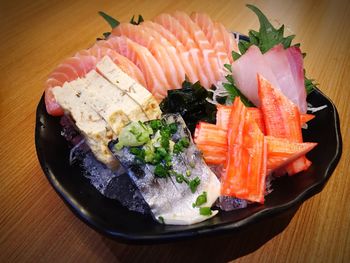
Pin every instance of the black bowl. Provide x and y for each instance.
(110, 218)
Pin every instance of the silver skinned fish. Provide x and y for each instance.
(171, 201)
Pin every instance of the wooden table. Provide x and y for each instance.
(35, 225)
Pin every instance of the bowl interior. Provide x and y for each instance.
(112, 219)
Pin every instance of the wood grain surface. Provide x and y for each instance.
(36, 226)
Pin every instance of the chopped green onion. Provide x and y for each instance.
(205, 211)
(192, 164)
(155, 124)
(177, 148)
(162, 152)
(173, 128)
(184, 142)
(179, 178)
(139, 153)
(160, 171)
(193, 184)
(201, 199)
(188, 173)
(164, 141)
(161, 219)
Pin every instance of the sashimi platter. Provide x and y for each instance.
(178, 126)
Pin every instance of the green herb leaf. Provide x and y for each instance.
(243, 46)
(309, 85)
(235, 55)
(235, 92)
(110, 20)
(268, 36)
(205, 211)
(228, 67)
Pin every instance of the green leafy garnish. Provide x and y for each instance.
(110, 20)
(205, 211)
(139, 21)
(268, 36)
(309, 85)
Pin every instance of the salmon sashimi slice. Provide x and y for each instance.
(174, 26)
(231, 44)
(178, 51)
(211, 61)
(70, 69)
(214, 35)
(282, 119)
(99, 51)
(154, 75)
(171, 64)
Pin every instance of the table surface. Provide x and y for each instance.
(36, 225)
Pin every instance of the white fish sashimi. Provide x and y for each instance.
(295, 59)
(245, 70)
(282, 67)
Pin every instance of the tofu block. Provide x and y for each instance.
(95, 129)
(115, 107)
(129, 87)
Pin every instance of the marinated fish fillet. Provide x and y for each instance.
(169, 200)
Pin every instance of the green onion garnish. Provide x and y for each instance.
(193, 184)
(201, 199)
(205, 211)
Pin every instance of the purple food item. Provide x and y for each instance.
(228, 203)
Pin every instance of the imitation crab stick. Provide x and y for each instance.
(245, 171)
(223, 115)
(282, 119)
(210, 134)
(281, 152)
